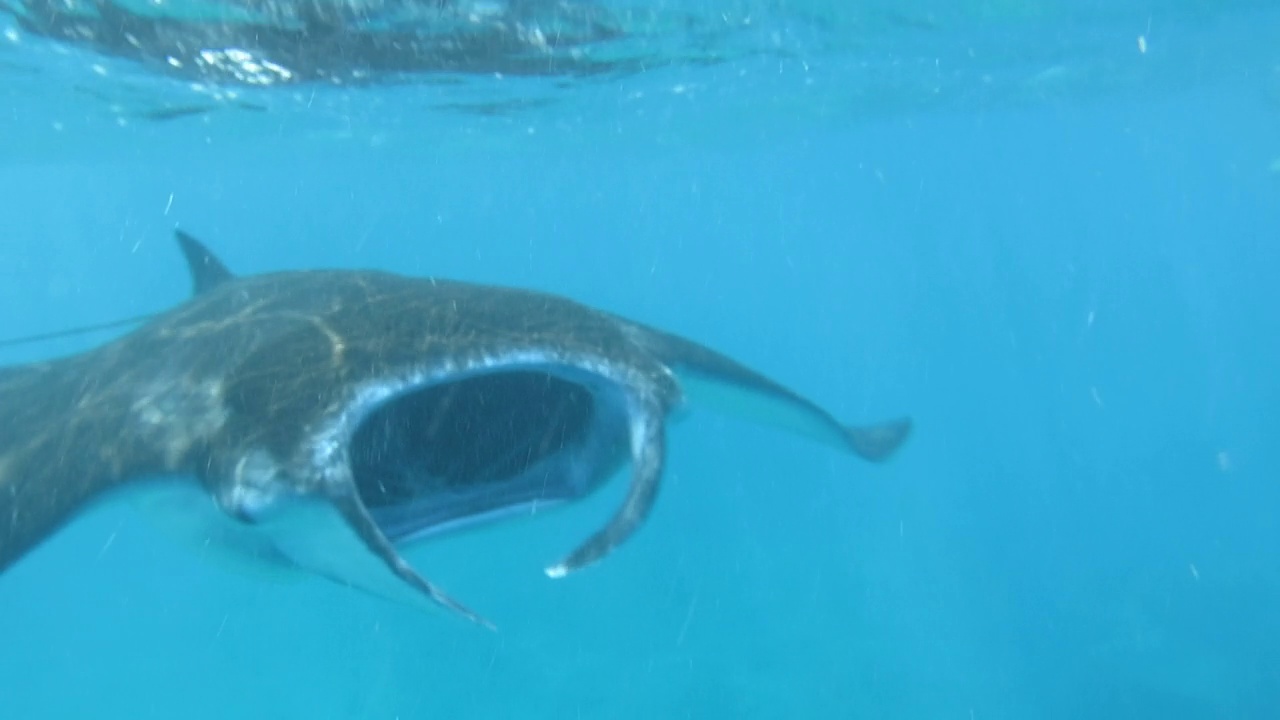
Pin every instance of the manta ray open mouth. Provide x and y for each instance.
(476, 448)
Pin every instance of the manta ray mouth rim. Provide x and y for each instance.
(330, 457)
(607, 387)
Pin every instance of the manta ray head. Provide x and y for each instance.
(409, 457)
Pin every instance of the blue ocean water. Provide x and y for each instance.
(1060, 261)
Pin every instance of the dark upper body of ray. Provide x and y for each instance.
(258, 363)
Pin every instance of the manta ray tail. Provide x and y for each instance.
(647, 456)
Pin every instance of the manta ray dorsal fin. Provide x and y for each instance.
(207, 271)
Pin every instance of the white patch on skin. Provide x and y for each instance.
(176, 414)
(255, 485)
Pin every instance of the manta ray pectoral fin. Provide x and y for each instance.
(726, 385)
(786, 411)
(182, 510)
(647, 456)
(336, 537)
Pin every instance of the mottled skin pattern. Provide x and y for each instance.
(238, 385)
(259, 359)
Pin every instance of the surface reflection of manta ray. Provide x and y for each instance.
(332, 414)
(265, 42)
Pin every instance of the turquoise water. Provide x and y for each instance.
(1051, 244)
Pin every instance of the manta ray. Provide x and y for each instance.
(333, 416)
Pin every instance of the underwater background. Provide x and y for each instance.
(1048, 231)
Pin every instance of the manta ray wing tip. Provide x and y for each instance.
(878, 443)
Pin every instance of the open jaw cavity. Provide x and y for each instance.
(504, 441)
